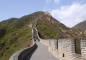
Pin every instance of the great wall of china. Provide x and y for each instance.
(64, 49)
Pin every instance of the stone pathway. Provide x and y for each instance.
(42, 53)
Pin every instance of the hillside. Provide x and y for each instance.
(49, 27)
(16, 33)
(80, 26)
(13, 38)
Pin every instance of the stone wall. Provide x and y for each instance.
(64, 49)
(21, 54)
(26, 52)
(44, 41)
(83, 48)
(52, 45)
(61, 48)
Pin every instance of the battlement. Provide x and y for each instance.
(64, 49)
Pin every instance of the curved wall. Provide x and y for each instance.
(22, 54)
(62, 47)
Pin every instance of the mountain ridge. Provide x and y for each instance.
(80, 26)
(16, 33)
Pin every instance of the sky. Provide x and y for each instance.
(68, 12)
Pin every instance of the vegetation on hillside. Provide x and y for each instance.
(16, 34)
(80, 26)
(49, 27)
(14, 41)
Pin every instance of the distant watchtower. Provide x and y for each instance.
(48, 13)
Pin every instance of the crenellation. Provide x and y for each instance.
(64, 49)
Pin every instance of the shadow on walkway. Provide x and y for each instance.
(31, 53)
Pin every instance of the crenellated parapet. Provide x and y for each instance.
(23, 53)
(64, 49)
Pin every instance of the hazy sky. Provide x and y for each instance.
(69, 12)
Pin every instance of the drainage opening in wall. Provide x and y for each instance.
(63, 55)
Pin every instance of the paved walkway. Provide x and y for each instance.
(42, 53)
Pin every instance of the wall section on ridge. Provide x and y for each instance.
(21, 54)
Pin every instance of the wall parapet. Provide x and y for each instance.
(21, 54)
(83, 48)
(64, 49)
